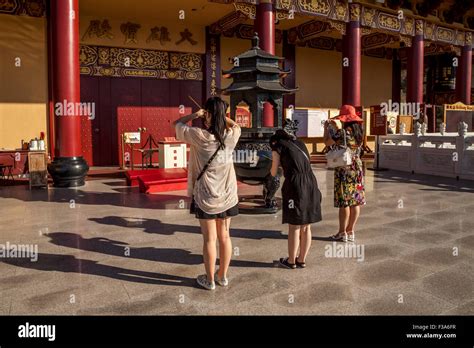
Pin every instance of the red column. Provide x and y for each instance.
(51, 129)
(416, 70)
(351, 59)
(463, 82)
(68, 168)
(289, 52)
(265, 28)
(396, 77)
(409, 74)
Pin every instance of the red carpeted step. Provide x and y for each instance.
(132, 175)
(163, 180)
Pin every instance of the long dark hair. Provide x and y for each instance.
(217, 108)
(356, 129)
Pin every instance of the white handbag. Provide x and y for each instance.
(339, 157)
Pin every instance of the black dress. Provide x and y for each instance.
(301, 198)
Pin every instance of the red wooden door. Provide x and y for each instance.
(89, 94)
(126, 107)
(129, 105)
(193, 89)
(155, 119)
(105, 139)
(161, 106)
(99, 141)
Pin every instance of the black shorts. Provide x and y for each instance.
(234, 211)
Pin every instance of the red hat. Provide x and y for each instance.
(347, 113)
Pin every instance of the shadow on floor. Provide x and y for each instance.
(128, 197)
(70, 264)
(158, 227)
(438, 183)
(324, 239)
(117, 248)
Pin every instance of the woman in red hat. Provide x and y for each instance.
(349, 192)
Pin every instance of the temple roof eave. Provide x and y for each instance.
(261, 69)
(257, 52)
(259, 85)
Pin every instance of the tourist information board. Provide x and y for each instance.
(458, 112)
(310, 121)
(378, 121)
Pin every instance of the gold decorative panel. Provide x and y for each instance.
(445, 35)
(320, 7)
(124, 62)
(389, 22)
(33, 8)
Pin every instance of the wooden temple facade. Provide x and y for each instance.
(138, 62)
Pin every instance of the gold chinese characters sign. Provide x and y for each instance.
(213, 66)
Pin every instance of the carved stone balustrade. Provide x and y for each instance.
(447, 154)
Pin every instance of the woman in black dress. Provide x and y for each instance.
(301, 198)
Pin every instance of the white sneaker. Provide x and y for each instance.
(351, 237)
(205, 283)
(341, 237)
(222, 282)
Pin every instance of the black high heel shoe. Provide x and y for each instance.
(284, 262)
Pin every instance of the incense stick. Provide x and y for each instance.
(195, 102)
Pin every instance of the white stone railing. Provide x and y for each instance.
(446, 154)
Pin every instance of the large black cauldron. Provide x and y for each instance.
(256, 81)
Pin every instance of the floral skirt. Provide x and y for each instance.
(349, 188)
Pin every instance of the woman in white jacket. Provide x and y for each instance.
(212, 183)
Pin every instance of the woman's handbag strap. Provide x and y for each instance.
(209, 162)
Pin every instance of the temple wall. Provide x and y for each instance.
(23, 89)
(319, 77)
(376, 83)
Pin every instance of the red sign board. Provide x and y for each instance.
(243, 117)
(378, 122)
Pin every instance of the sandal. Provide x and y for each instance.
(340, 236)
(284, 262)
(300, 264)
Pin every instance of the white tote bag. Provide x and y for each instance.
(339, 157)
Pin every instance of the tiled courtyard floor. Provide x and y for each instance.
(107, 249)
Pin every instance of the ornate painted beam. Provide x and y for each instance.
(228, 22)
(308, 30)
(247, 31)
(32, 8)
(376, 40)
